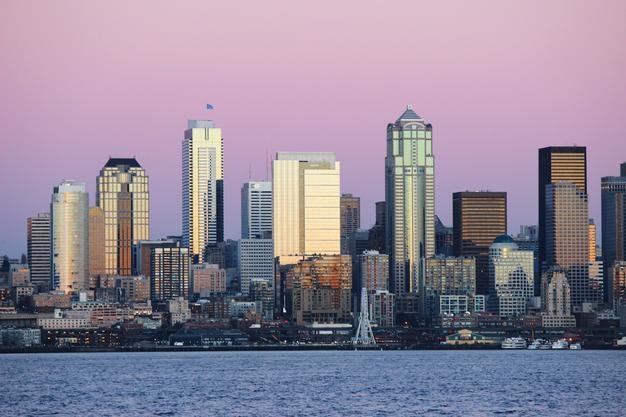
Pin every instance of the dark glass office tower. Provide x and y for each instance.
(478, 218)
(613, 224)
(558, 163)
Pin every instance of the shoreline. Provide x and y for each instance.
(270, 348)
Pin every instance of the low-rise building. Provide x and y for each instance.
(468, 337)
(65, 319)
(12, 337)
(178, 309)
(133, 288)
(242, 308)
(49, 301)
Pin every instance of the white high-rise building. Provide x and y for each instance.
(557, 300)
(306, 204)
(256, 210)
(203, 187)
(70, 237)
(410, 197)
(511, 277)
(256, 262)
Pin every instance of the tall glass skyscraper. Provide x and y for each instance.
(613, 224)
(567, 233)
(70, 237)
(410, 197)
(558, 163)
(478, 218)
(203, 187)
(122, 194)
(306, 195)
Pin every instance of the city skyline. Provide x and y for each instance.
(531, 80)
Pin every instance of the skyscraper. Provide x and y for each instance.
(613, 223)
(203, 187)
(122, 194)
(410, 198)
(566, 238)
(39, 251)
(478, 218)
(70, 237)
(256, 210)
(350, 212)
(511, 277)
(96, 242)
(558, 163)
(306, 204)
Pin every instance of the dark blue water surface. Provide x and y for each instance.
(468, 383)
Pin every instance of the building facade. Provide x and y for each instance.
(256, 210)
(169, 272)
(306, 204)
(613, 191)
(320, 290)
(350, 212)
(566, 238)
(96, 242)
(256, 262)
(511, 277)
(122, 194)
(558, 163)
(374, 269)
(382, 308)
(38, 242)
(208, 279)
(70, 237)
(448, 279)
(478, 218)
(557, 301)
(617, 289)
(203, 187)
(410, 197)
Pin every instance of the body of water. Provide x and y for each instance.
(454, 383)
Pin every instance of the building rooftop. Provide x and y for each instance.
(113, 162)
(504, 239)
(409, 114)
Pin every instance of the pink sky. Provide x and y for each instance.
(80, 81)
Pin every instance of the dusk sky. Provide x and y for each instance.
(82, 81)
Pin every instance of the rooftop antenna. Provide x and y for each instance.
(267, 165)
(250, 172)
